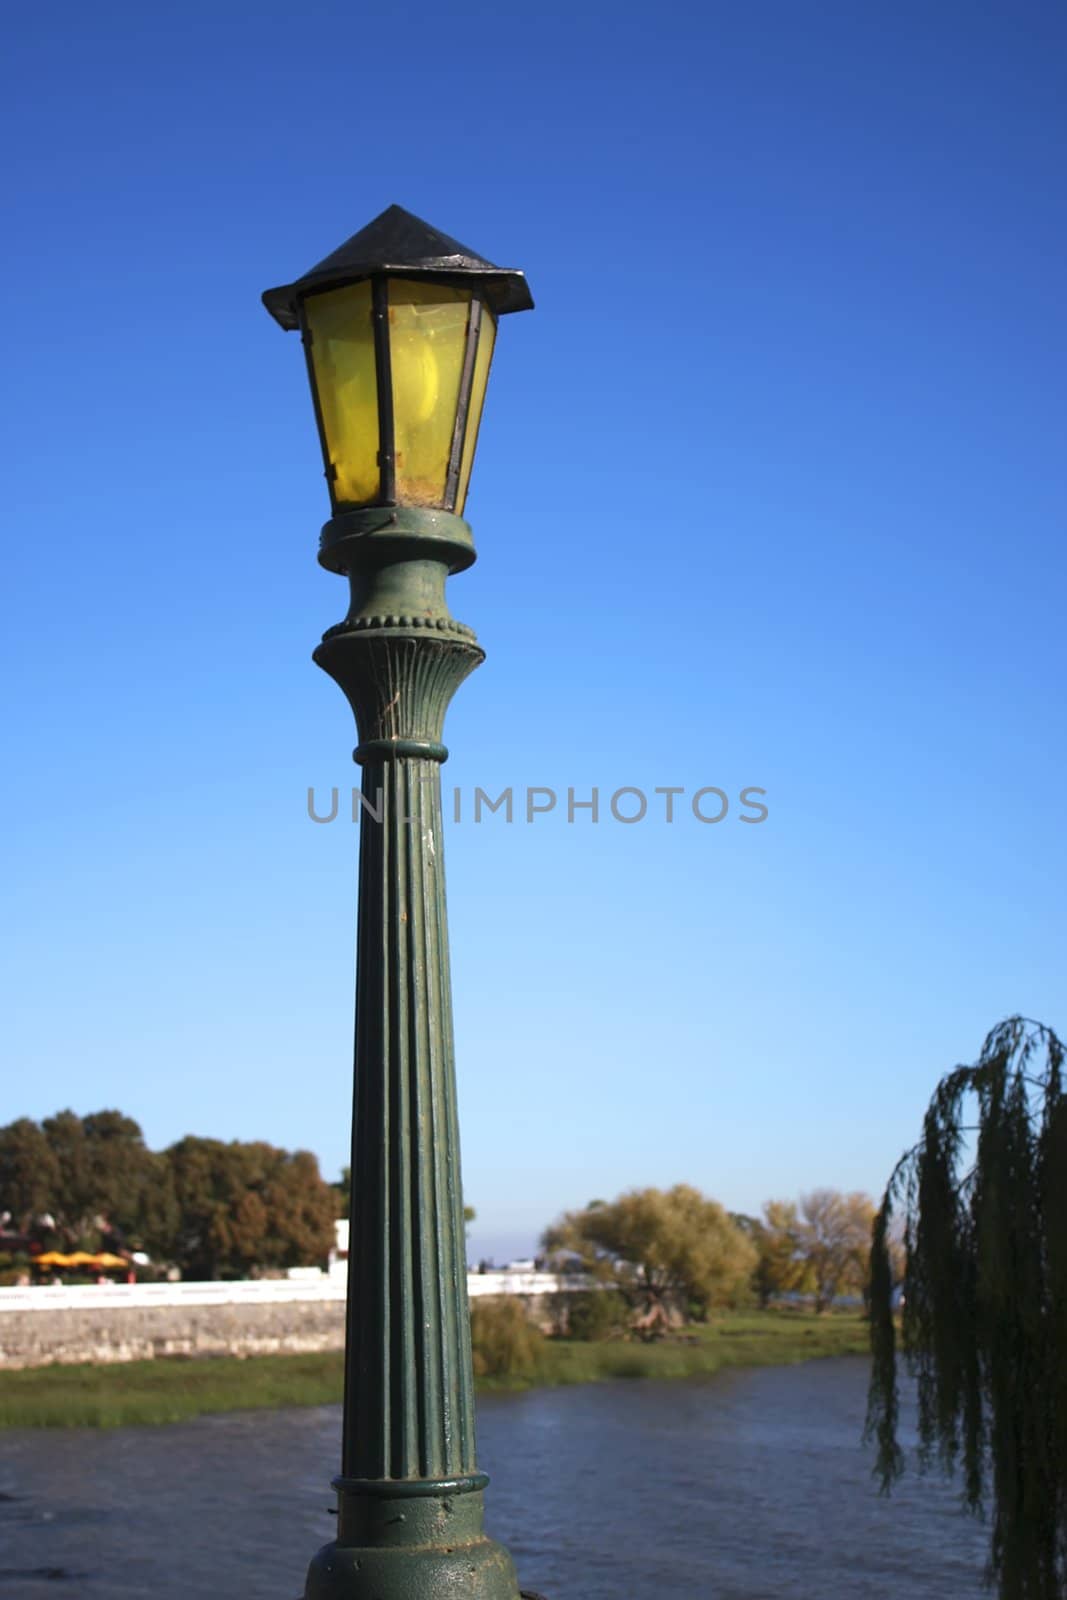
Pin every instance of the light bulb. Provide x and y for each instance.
(416, 377)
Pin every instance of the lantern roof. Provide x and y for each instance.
(401, 243)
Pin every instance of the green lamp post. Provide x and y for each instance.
(398, 327)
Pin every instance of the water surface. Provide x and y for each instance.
(742, 1486)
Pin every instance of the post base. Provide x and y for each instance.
(479, 1571)
(411, 1541)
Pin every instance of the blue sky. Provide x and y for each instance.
(770, 492)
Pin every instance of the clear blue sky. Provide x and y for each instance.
(771, 491)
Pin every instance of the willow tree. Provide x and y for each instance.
(983, 1197)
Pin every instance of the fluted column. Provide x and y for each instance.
(410, 1408)
(410, 1494)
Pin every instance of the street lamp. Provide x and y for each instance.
(398, 326)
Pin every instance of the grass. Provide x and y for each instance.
(174, 1389)
(738, 1339)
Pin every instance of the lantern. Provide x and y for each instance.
(398, 326)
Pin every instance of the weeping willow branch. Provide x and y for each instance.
(984, 1324)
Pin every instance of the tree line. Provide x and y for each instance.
(211, 1208)
(218, 1209)
(674, 1254)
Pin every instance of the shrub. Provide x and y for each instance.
(596, 1314)
(506, 1343)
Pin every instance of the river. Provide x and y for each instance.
(749, 1485)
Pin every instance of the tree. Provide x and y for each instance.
(29, 1173)
(246, 1206)
(343, 1190)
(983, 1196)
(834, 1236)
(72, 1202)
(781, 1265)
(104, 1180)
(210, 1206)
(129, 1187)
(662, 1249)
(300, 1209)
(896, 1248)
(206, 1186)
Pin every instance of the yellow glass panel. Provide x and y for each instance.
(486, 340)
(427, 338)
(342, 356)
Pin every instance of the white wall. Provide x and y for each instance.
(263, 1291)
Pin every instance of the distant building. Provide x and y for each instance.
(338, 1261)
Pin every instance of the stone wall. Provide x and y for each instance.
(285, 1319)
(140, 1333)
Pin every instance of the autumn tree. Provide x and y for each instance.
(983, 1197)
(834, 1236)
(661, 1249)
(782, 1266)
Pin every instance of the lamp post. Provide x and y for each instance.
(398, 327)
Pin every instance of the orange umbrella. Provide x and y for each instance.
(52, 1259)
(106, 1259)
(81, 1258)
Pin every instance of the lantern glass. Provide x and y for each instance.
(427, 340)
(345, 382)
(486, 340)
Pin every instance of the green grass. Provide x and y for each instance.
(738, 1339)
(173, 1390)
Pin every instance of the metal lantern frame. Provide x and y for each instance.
(398, 246)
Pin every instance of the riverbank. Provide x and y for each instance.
(173, 1390)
